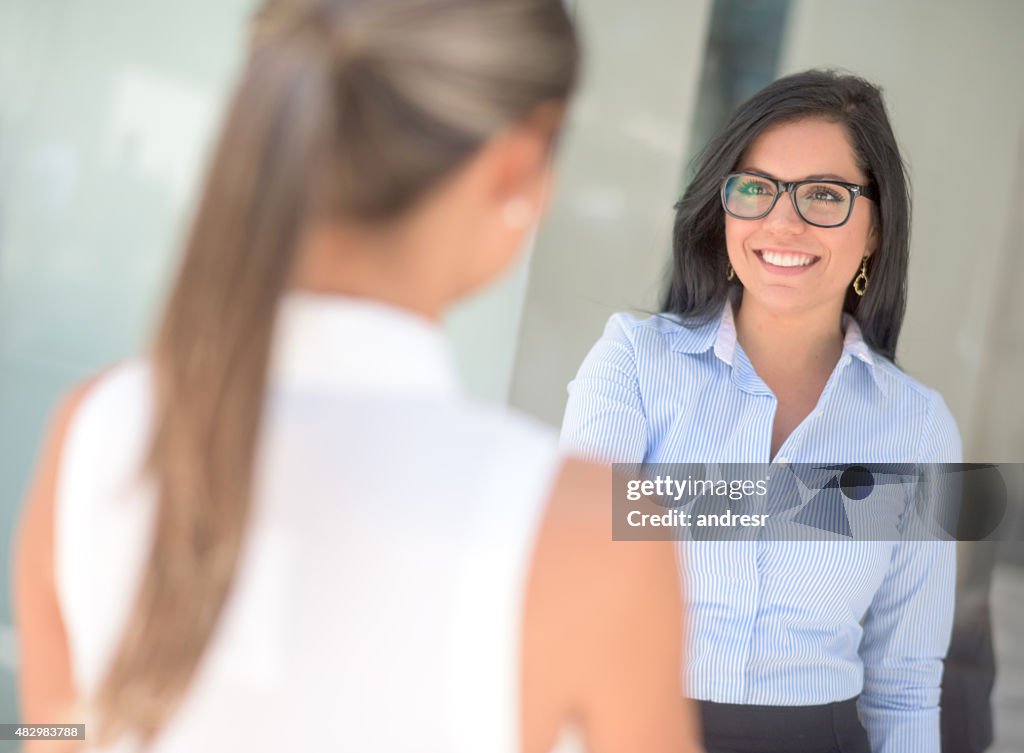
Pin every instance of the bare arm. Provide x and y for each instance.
(46, 690)
(603, 632)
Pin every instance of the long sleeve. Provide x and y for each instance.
(604, 417)
(908, 625)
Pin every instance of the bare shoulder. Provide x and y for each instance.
(579, 521)
(37, 511)
(604, 627)
(45, 685)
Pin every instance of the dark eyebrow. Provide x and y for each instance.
(820, 176)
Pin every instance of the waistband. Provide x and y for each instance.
(782, 729)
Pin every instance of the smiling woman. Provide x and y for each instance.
(776, 343)
(799, 255)
(809, 126)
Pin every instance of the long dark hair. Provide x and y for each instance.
(345, 108)
(698, 287)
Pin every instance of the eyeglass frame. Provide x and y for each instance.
(789, 187)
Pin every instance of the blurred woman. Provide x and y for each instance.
(780, 326)
(287, 529)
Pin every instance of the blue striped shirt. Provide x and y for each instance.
(786, 622)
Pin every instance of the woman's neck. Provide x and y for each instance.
(795, 344)
(389, 267)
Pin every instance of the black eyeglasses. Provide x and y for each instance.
(822, 203)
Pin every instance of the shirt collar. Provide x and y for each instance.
(720, 334)
(344, 344)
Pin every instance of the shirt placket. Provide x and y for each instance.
(750, 595)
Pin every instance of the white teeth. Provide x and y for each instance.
(786, 260)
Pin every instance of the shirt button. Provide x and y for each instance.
(781, 460)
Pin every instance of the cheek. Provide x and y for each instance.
(851, 246)
(858, 232)
(736, 233)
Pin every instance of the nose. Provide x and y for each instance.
(784, 216)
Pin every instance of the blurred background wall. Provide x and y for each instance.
(107, 109)
(604, 245)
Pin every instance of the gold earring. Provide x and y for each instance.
(730, 275)
(860, 282)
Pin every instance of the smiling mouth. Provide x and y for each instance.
(786, 259)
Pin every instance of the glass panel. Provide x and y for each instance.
(742, 55)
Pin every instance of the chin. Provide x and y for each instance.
(785, 300)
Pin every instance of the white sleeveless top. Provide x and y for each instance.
(378, 601)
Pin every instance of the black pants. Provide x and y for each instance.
(736, 728)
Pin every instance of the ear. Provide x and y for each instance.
(522, 157)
